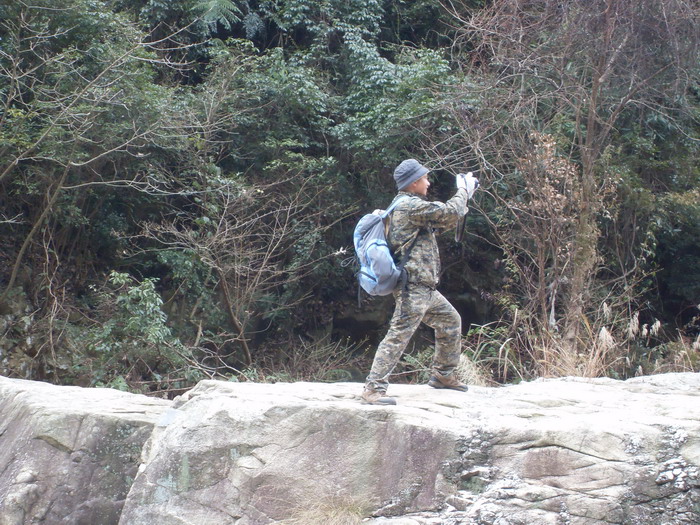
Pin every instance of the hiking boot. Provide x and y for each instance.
(440, 381)
(374, 397)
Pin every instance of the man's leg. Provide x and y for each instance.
(411, 305)
(447, 323)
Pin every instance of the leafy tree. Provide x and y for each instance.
(81, 116)
(578, 72)
(211, 156)
(79, 92)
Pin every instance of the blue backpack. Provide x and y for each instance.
(379, 274)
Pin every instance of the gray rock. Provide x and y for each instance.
(566, 451)
(260, 453)
(572, 451)
(68, 455)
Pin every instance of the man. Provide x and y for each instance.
(417, 218)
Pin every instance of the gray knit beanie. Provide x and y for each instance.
(410, 170)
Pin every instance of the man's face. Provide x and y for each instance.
(420, 186)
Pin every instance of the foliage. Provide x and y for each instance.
(679, 249)
(131, 341)
(388, 99)
(213, 12)
(179, 181)
(582, 75)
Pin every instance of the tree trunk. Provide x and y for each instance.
(234, 318)
(39, 222)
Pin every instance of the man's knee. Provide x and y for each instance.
(449, 322)
(448, 330)
(456, 319)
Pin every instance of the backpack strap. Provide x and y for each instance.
(404, 259)
(385, 214)
(393, 205)
(405, 252)
(460, 229)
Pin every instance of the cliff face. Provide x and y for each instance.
(548, 452)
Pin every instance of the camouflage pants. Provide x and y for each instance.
(415, 305)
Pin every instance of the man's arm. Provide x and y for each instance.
(442, 215)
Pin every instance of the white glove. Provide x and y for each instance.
(461, 182)
(468, 182)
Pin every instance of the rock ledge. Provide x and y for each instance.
(565, 451)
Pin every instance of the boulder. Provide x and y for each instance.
(68, 455)
(575, 451)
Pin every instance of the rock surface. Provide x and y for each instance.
(68, 455)
(565, 451)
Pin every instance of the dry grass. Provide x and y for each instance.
(336, 511)
(472, 373)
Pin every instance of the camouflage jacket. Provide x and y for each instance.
(417, 216)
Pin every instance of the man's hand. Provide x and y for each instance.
(467, 181)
